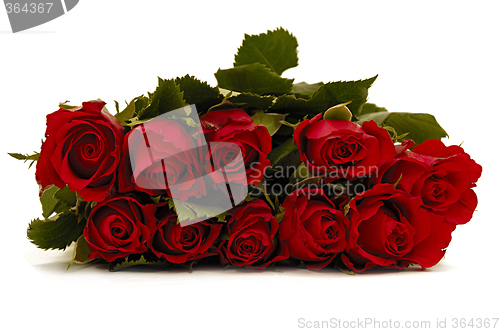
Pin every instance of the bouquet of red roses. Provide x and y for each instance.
(257, 171)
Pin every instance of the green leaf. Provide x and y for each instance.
(342, 92)
(55, 234)
(33, 157)
(305, 90)
(421, 126)
(129, 111)
(187, 211)
(56, 200)
(371, 108)
(222, 217)
(135, 121)
(281, 214)
(167, 97)
(326, 96)
(255, 78)
(285, 154)
(140, 103)
(20, 156)
(66, 106)
(223, 106)
(270, 120)
(66, 196)
(300, 174)
(49, 202)
(128, 261)
(276, 49)
(345, 270)
(249, 101)
(198, 93)
(297, 105)
(81, 252)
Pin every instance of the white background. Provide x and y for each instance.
(441, 58)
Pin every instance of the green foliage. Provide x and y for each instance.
(326, 96)
(55, 234)
(198, 93)
(276, 49)
(255, 78)
(280, 214)
(285, 154)
(297, 105)
(250, 101)
(66, 106)
(132, 108)
(48, 201)
(300, 174)
(305, 90)
(420, 126)
(66, 196)
(342, 92)
(19, 156)
(54, 199)
(187, 211)
(81, 252)
(167, 97)
(272, 121)
(134, 260)
(368, 108)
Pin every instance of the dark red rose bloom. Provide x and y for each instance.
(442, 176)
(313, 228)
(343, 147)
(179, 244)
(160, 157)
(253, 240)
(119, 226)
(82, 149)
(389, 228)
(234, 126)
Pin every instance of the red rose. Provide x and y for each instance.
(119, 226)
(222, 128)
(160, 157)
(342, 147)
(252, 238)
(179, 244)
(442, 176)
(389, 228)
(313, 228)
(82, 149)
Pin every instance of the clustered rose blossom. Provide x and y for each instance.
(85, 148)
(411, 202)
